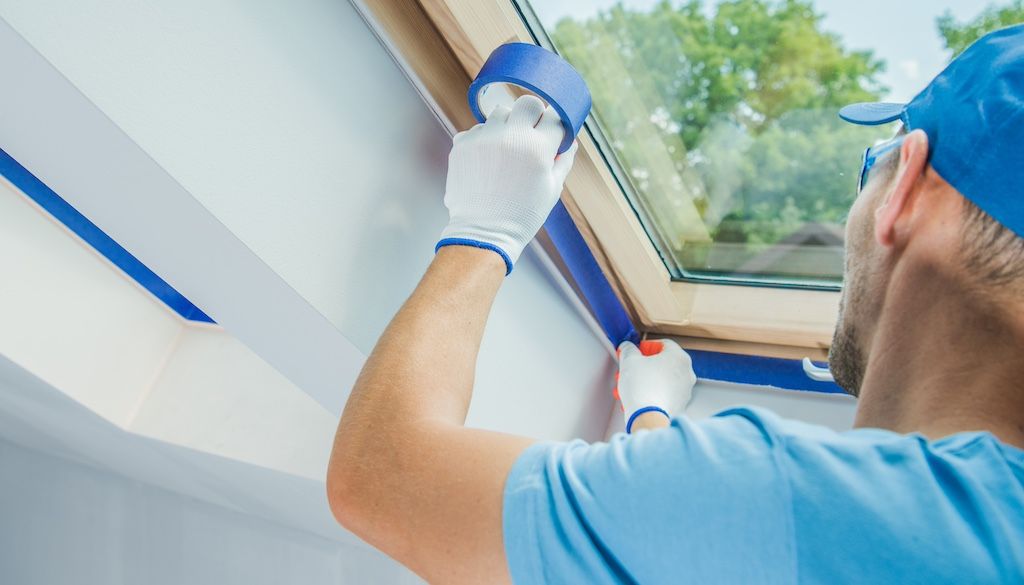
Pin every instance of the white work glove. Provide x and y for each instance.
(662, 382)
(504, 179)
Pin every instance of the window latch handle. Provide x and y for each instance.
(817, 373)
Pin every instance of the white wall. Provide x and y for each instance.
(68, 523)
(216, 396)
(287, 120)
(72, 318)
(294, 129)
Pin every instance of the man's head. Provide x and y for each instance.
(943, 204)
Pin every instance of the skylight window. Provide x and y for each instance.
(719, 120)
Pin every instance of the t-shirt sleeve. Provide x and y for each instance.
(697, 502)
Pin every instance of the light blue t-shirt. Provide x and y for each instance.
(747, 497)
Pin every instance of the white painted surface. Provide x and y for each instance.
(74, 320)
(73, 147)
(302, 140)
(71, 317)
(216, 396)
(287, 120)
(65, 522)
(38, 416)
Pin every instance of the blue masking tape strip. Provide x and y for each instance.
(757, 370)
(63, 212)
(545, 74)
(589, 277)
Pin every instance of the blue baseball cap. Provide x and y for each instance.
(973, 114)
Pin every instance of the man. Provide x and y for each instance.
(928, 489)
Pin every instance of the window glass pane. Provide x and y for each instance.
(720, 117)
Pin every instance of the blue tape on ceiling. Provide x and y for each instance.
(542, 72)
(63, 212)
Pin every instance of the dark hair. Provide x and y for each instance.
(992, 253)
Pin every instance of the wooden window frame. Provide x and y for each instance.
(443, 43)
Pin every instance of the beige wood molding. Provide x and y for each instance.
(445, 42)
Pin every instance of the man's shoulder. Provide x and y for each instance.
(767, 425)
(879, 451)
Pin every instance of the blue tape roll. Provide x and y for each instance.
(545, 74)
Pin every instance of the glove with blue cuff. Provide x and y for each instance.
(504, 179)
(655, 377)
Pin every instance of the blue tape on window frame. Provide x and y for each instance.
(91, 234)
(757, 371)
(555, 80)
(616, 324)
(596, 290)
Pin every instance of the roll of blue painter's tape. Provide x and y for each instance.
(545, 74)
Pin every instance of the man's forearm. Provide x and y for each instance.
(422, 367)
(404, 473)
(419, 377)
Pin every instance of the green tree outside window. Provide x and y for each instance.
(724, 120)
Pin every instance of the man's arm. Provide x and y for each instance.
(405, 475)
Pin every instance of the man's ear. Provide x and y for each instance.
(899, 199)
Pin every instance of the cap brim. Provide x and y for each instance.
(872, 114)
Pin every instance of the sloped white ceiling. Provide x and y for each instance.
(36, 415)
(272, 162)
